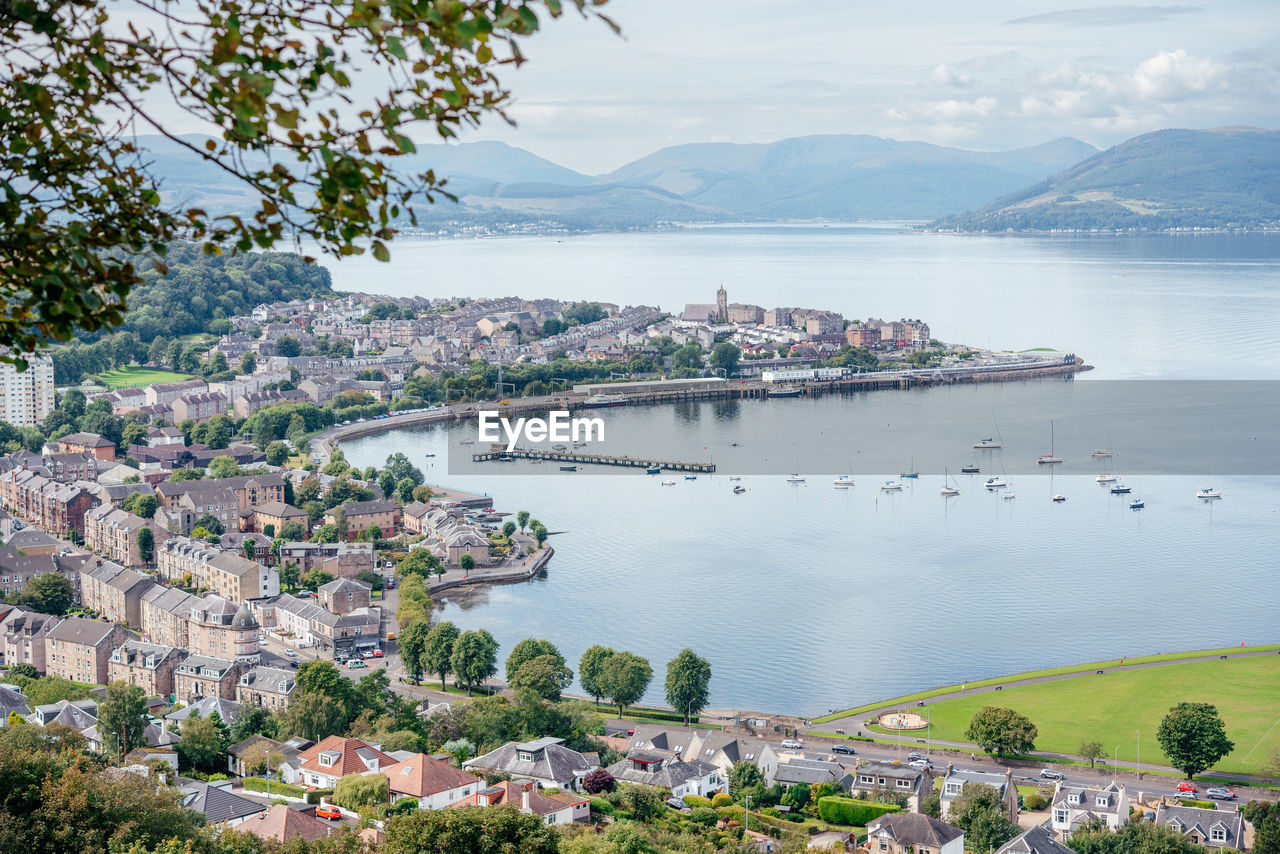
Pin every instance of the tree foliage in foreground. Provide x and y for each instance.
(82, 77)
(1001, 731)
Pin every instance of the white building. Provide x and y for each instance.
(26, 397)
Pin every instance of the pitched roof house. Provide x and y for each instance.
(1035, 840)
(335, 757)
(283, 823)
(1220, 829)
(664, 770)
(558, 808)
(911, 832)
(1075, 806)
(434, 783)
(545, 760)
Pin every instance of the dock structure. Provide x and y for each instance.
(591, 459)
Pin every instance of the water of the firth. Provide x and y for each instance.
(807, 598)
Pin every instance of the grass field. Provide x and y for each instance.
(136, 376)
(1110, 708)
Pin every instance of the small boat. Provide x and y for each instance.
(739, 489)
(653, 470)
(1105, 477)
(908, 474)
(1009, 496)
(793, 391)
(467, 442)
(891, 486)
(972, 468)
(691, 477)
(734, 477)
(568, 468)
(995, 483)
(1049, 458)
(1208, 494)
(430, 456)
(668, 483)
(987, 444)
(1120, 489)
(559, 448)
(1058, 499)
(844, 481)
(733, 444)
(599, 401)
(1099, 452)
(1137, 504)
(795, 478)
(579, 444)
(947, 489)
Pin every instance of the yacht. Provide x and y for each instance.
(995, 483)
(1105, 478)
(1120, 489)
(972, 468)
(1009, 496)
(891, 486)
(668, 483)
(1100, 452)
(947, 489)
(598, 401)
(844, 481)
(1208, 493)
(568, 468)
(987, 444)
(1049, 458)
(1058, 499)
(795, 478)
(735, 477)
(739, 489)
(653, 470)
(559, 448)
(691, 477)
(785, 391)
(1137, 504)
(429, 456)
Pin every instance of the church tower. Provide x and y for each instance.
(722, 305)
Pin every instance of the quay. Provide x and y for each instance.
(591, 459)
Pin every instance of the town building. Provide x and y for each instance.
(341, 560)
(862, 335)
(57, 508)
(22, 635)
(544, 760)
(1209, 828)
(1073, 807)
(200, 676)
(358, 516)
(113, 533)
(164, 394)
(79, 649)
(113, 592)
(273, 516)
(433, 783)
(87, 443)
(147, 665)
(266, 687)
(220, 628)
(343, 595)
(165, 613)
(227, 574)
(913, 833)
(198, 407)
(26, 397)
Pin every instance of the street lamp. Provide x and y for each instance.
(1139, 734)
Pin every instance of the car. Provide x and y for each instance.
(842, 748)
(1187, 786)
(1220, 793)
(331, 813)
(915, 756)
(1050, 774)
(920, 764)
(792, 744)
(356, 663)
(290, 653)
(678, 804)
(293, 664)
(377, 653)
(366, 655)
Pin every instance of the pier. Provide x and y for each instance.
(591, 459)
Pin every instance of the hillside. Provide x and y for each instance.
(1221, 178)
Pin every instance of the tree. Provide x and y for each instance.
(362, 790)
(508, 528)
(202, 745)
(978, 810)
(1001, 731)
(743, 775)
(527, 650)
(252, 721)
(145, 506)
(687, 679)
(48, 593)
(725, 356)
(146, 545)
(1193, 737)
(315, 579)
(523, 518)
(413, 643)
(1133, 838)
(688, 356)
(221, 467)
(248, 363)
(796, 796)
(210, 523)
(122, 718)
(599, 781)
(288, 346)
(437, 653)
(546, 676)
(470, 830)
(625, 678)
(24, 669)
(1092, 751)
(467, 562)
(327, 534)
(313, 716)
(292, 532)
(249, 547)
(591, 670)
(277, 452)
(1265, 818)
(289, 576)
(475, 658)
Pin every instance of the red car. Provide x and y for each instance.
(332, 813)
(1184, 786)
(377, 653)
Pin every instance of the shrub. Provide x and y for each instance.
(314, 796)
(720, 800)
(1204, 805)
(1035, 801)
(695, 801)
(849, 811)
(703, 815)
(600, 805)
(254, 784)
(772, 812)
(795, 817)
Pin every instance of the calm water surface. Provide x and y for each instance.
(807, 598)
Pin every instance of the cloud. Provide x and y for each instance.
(1107, 16)
(944, 76)
(1177, 76)
(953, 110)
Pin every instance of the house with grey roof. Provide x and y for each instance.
(791, 769)
(77, 714)
(1072, 807)
(912, 832)
(12, 701)
(228, 710)
(723, 750)
(545, 760)
(216, 802)
(22, 634)
(149, 666)
(874, 777)
(651, 737)
(1218, 829)
(666, 771)
(1035, 840)
(200, 676)
(114, 592)
(266, 687)
(956, 779)
(79, 649)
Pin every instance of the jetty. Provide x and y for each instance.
(573, 457)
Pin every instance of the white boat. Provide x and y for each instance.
(1009, 496)
(1058, 499)
(785, 391)
(668, 483)
(735, 477)
(987, 444)
(1105, 478)
(947, 489)
(739, 489)
(844, 481)
(995, 483)
(1209, 493)
(1121, 489)
(1137, 504)
(795, 478)
(559, 448)
(1049, 458)
(598, 401)
(891, 486)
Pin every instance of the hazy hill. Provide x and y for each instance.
(1220, 178)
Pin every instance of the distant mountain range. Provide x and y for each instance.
(1221, 178)
(1158, 180)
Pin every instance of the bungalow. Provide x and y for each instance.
(559, 808)
(913, 833)
(12, 701)
(216, 802)
(433, 783)
(545, 760)
(1035, 840)
(1220, 829)
(665, 770)
(792, 769)
(955, 780)
(253, 755)
(284, 823)
(227, 710)
(329, 761)
(1075, 806)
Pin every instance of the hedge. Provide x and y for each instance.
(737, 813)
(720, 800)
(254, 784)
(314, 796)
(1204, 805)
(600, 805)
(837, 810)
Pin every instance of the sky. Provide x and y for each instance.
(983, 75)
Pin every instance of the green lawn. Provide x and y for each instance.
(137, 376)
(1033, 674)
(1111, 707)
